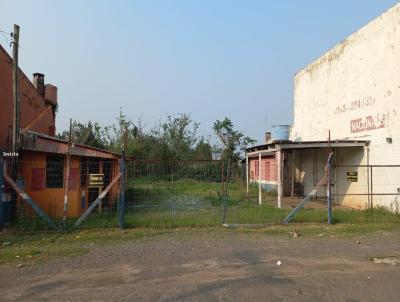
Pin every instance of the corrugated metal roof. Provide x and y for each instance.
(308, 144)
(40, 142)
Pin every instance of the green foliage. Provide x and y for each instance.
(203, 150)
(91, 134)
(176, 138)
(180, 134)
(232, 142)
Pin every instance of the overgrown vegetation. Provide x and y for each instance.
(175, 194)
(175, 138)
(166, 204)
(192, 203)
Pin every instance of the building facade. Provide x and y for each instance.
(42, 170)
(353, 91)
(352, 95)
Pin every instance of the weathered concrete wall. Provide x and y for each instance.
(357, 79)
(351, 156)
(353, 90)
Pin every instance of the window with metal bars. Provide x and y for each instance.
(54, 171)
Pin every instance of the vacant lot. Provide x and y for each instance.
(183, 203)
(323, 264)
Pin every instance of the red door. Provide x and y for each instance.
(267, 170)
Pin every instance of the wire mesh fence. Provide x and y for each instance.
(51, 194)
(358, 193)
(169, 194)
(47, 195)
(373, 187)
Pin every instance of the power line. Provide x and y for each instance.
(6, 39)
(7, 36)
(5, 32)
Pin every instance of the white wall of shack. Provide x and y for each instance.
(353, 90)
(310, 170)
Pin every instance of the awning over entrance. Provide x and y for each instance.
(271, 148)
(303, 169)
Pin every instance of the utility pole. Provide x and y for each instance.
(67, 173)
(15, 134)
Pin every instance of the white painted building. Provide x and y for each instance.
(353, 91)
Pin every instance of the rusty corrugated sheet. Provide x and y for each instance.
(41, 143)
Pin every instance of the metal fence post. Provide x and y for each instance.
(372, 196)
(1, 193)
(172, 200)
(259, 180)
(329, 187)
(121, 218)
(247, 174)
(329, 194)
(223, 191)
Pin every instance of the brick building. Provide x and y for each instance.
(42, 165)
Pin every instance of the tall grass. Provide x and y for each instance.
(190, 203)
(193, 203)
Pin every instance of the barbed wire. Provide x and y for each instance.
(6, 36)
(5, 32)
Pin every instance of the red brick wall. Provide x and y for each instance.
(268, 169)
(32, 104)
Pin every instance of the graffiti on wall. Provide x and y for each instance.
(368, 123)
(355, 105)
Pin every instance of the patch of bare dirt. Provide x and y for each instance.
(215, 267)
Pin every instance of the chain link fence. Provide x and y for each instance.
(47, 195)
(171, 194)
(376, 188)
(53, 195)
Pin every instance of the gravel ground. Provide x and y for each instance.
(216, 266)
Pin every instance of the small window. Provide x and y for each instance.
(55, 171)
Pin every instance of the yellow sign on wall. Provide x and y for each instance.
(96, 180)
(352, 176)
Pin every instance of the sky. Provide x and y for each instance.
(152, 58)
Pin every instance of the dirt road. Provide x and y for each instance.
(216, 266)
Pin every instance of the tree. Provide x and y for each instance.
(175, 138)
(203, 150)
(119, 132)
(180, 133)
(91, 134)
(232, 142)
